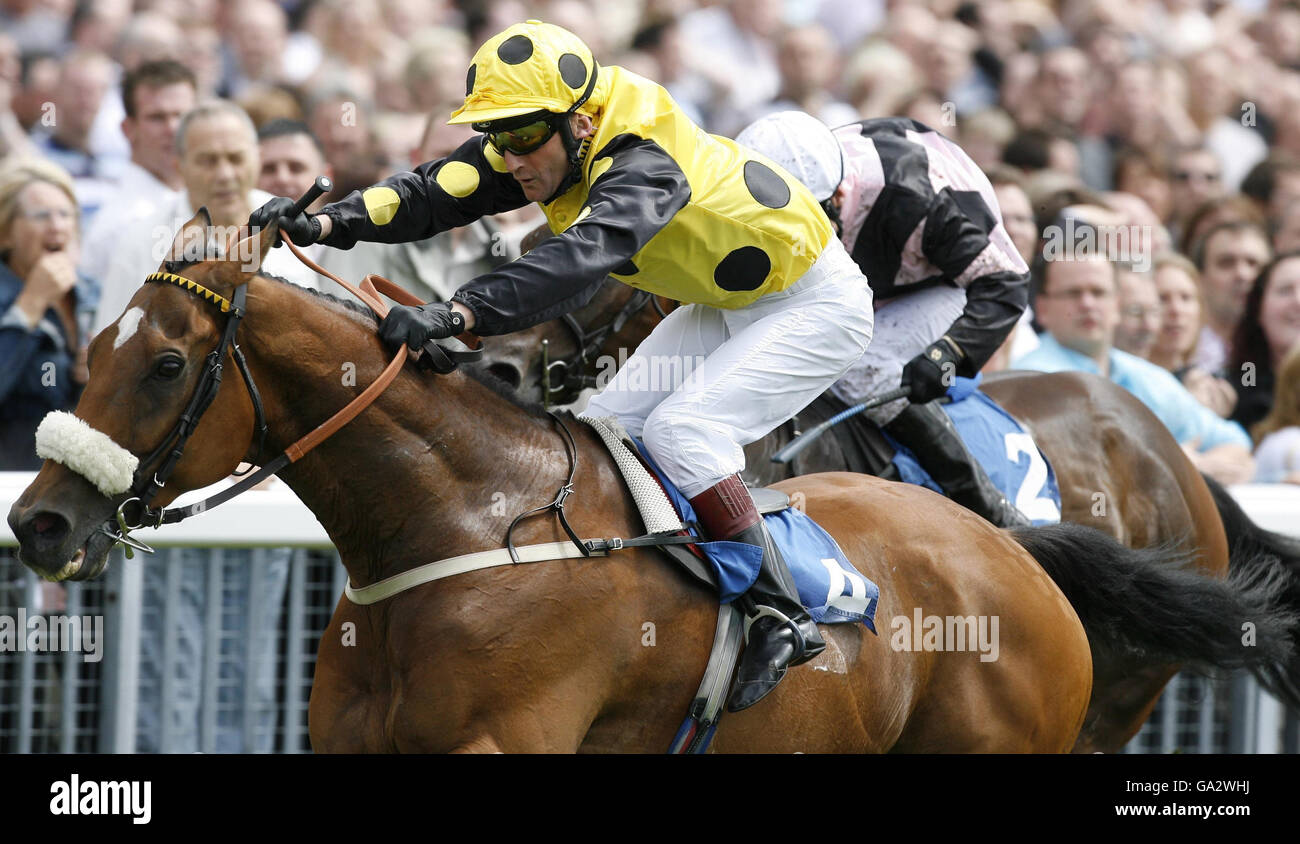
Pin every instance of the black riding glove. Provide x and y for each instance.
(302, 229)
(931, 373)
(416, 326)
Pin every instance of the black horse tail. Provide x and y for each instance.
(1151, 605)
(1252, 548)
(1248, 540)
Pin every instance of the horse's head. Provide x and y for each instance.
(563, 355)
(144, 372)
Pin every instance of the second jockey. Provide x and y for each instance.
(921, 220)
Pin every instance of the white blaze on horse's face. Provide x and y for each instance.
(127, 326)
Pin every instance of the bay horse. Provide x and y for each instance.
(1118, 469)
(588, 654)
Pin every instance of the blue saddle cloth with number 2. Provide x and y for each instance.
(830, 587)
(1004, 448)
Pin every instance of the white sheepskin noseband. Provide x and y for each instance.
(92, 454)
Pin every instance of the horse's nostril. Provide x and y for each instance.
(507, 373)
(49, 526)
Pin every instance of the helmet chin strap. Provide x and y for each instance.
(576, 151)
(833, 213)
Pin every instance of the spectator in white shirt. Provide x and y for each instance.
(63, 134)
(156, 96)
(1216, 109)
(217, 147)
(731, 45)
(808, 61)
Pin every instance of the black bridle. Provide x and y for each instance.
(168, 453)
(564, 379)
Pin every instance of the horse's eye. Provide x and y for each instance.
(169, 367)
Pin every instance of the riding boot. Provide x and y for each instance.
(779, 631)
(930, 435)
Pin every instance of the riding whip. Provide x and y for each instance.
(799, 443)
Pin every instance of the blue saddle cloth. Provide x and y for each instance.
(1004, 448)
(831, 589)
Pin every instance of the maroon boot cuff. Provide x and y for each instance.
(726, 508)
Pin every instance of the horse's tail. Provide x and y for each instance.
(1151, 603)
(1254, 549)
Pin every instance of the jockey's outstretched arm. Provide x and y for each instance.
(432, 198)
(967, 248)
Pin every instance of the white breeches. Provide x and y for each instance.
(708, 381)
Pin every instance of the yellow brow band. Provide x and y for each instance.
(194, 287)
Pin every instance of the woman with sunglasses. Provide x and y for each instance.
(775, 309)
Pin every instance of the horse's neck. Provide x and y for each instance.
(436, 464)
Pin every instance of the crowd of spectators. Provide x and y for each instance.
(1162, 137)
(1174, 121)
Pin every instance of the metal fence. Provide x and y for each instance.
(1233, 714)
(239, 681)
(63, 703)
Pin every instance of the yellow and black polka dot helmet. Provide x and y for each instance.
(529, 67)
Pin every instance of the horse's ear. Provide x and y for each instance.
(190, 243)
(249, 252)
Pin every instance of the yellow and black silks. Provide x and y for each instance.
(661, 204)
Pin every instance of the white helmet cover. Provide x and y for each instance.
(803, 145)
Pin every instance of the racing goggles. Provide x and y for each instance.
(526, 138)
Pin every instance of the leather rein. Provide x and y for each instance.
(146, 484)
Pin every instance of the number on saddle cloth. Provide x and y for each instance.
(1002, 446)
(830, 588)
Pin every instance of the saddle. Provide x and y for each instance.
(997, 440)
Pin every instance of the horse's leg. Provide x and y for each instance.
(1128, 689)
(1032, 693)
(348, 700)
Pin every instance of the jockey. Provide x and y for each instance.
(776, 310)
(921, 220)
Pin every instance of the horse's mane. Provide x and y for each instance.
(481, 374)
(348, 304)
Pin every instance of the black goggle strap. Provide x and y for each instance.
(572, 146)
(591, 86)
